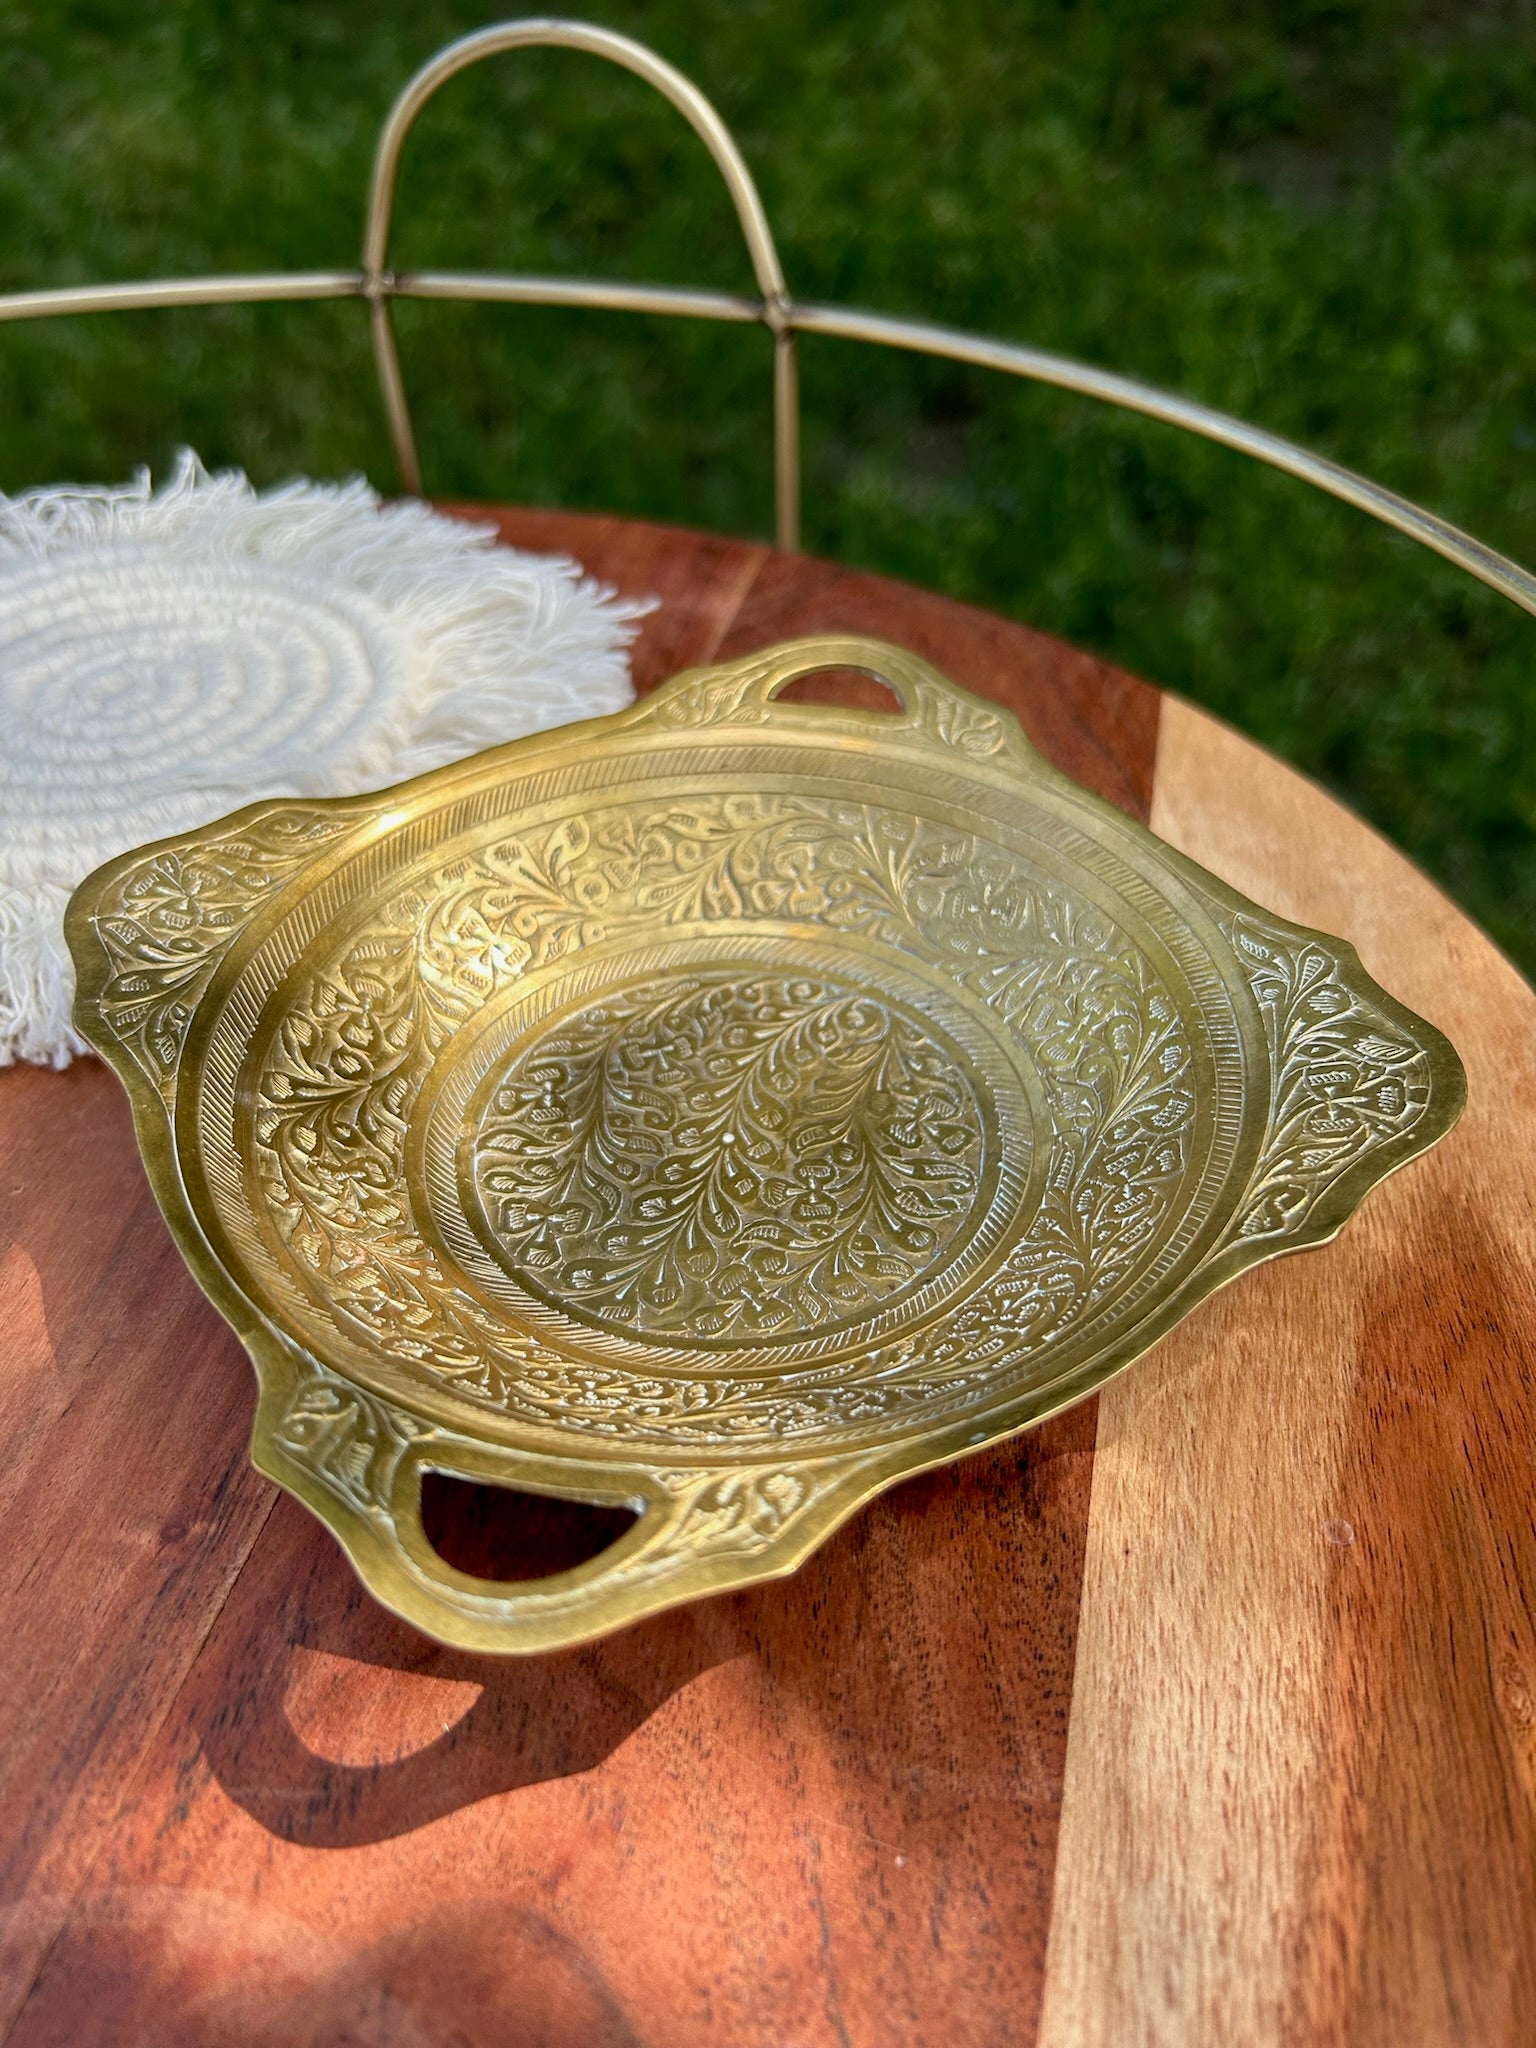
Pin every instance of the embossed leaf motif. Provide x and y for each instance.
(744, 1511)
(331, 1121)
(351, 1442)
(751, 1138)
(729, 1158)
(1343, 1086)
(1103, 1032)
(971, 727)
(174, 916)
(647, 1168)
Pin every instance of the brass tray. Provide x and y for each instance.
(725, 1108)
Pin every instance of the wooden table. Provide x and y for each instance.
(1205, 1714)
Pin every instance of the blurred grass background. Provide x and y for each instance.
(1320, 214)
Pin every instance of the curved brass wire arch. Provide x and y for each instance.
(706, 124)
(783, 316)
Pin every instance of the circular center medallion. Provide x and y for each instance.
(737, 1158)
(732, 1147)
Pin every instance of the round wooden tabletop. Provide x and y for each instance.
(1205, 1713)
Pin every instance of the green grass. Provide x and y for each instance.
(1319, 216)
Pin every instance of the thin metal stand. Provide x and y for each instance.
(773, 308)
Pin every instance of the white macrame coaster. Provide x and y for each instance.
(166, 656)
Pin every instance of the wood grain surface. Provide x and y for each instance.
(1223, 1731)
(1301, 1777)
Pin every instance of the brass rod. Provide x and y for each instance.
(256, 288)
(594, 293)
(1485, 563)
(381, 331)
(296, 285)
(552, 33)
(786, 440)
(786, 319)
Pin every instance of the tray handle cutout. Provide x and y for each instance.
(358, 1461)
(746, 693)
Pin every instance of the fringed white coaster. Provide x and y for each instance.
(169, 655)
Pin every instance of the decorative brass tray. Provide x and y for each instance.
(725, 1108)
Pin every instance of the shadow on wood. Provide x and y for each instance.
(333, 1724)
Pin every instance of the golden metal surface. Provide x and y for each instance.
(724, 1108)
(784, 317)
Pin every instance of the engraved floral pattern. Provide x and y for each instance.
(742, 1512)
(1104, 1034)
(346, 1438)
(732, 697)
(722, 1156)
(176, 915)
(1345, 1083)
(732, 1156)
(352, 1443)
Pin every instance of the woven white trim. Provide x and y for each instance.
(166, 656)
